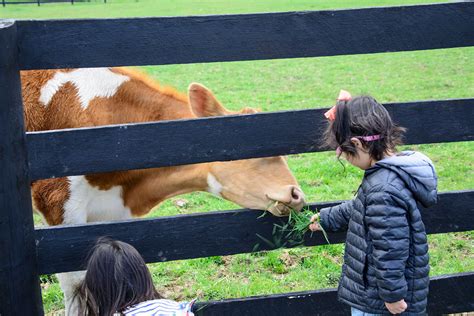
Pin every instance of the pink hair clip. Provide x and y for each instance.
(343, 96)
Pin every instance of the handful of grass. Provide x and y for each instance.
(299, 223)
(291, 233)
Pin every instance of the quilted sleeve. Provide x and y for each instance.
(336, 218)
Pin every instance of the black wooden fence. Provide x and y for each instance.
(26, 252)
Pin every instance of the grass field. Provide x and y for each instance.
(294, 84)
(141, 8)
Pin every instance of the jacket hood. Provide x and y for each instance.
(418, 173)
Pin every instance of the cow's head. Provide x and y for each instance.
(260, 183)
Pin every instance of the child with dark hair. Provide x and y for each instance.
(118, 282)
(386, 265)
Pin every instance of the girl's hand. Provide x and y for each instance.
(397, 307)
(314, 226)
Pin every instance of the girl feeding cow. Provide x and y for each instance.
(386, 255)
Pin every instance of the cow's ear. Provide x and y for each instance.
(204, 103)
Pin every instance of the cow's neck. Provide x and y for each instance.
(143, 189)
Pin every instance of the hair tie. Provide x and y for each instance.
(369, 138)
(343, 96)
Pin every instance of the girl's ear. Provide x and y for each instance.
(357, 143)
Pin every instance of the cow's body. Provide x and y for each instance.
(90, 97)
(58, 99)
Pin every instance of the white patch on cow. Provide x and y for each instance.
(213, 186)
(90, 83)
(89, 204)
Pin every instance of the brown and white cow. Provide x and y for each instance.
(70, 98)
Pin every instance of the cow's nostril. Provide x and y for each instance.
(297, 195)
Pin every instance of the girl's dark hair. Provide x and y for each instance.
(116, 278)
(363, 116)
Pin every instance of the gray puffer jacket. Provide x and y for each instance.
(386, 254)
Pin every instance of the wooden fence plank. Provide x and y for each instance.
(62, 249)
(19, 284)
(162, 144)
(154, 41)
(448, 294)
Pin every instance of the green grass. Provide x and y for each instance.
(294, 84)
(143, 8)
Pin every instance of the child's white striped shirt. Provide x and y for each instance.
(160, 307)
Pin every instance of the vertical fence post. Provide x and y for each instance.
(20, 292)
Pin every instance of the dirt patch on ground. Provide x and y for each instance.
(289, 260)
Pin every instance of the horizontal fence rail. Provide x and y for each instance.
(447, 294)
(155, 41)
(170, 143)
(62, 249)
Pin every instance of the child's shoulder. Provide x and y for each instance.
(411, 173)
(401, 169)
(382, 179)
